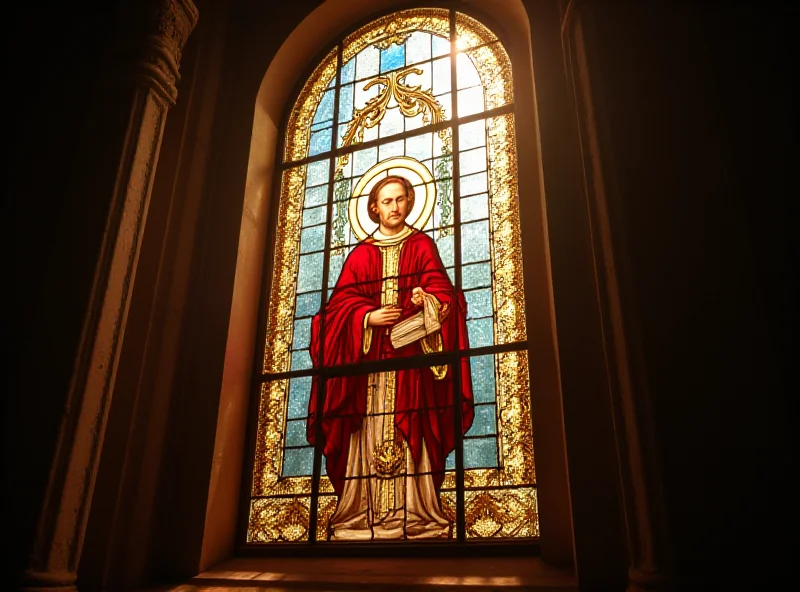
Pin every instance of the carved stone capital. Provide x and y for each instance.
(164, 27)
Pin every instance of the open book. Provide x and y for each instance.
(418, 326)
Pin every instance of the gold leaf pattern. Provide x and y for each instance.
(502, 513)
(470, 32)
(278, 519)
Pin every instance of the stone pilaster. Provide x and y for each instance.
(159, 31)
(636, 448)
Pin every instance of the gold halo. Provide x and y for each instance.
(423, 208)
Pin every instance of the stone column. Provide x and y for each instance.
(159, 29)
(640, 471)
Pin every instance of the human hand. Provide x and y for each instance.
(385, 316)
(417, 296)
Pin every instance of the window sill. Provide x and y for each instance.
(383, 573)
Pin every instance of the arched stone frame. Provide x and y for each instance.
(286, 69)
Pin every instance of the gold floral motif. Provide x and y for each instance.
(412, 101)
(278, 519)
(502, 513)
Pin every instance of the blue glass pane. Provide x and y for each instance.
(451, 272)
(312, 239)
(296, 433)
(441, 76)
(363, 160)
(472, 161)
(472, 135)
(450, 462)
(481, 332)
(485, 422)
(480, 453)
(475, 242)
(475, 207)
(299, 393)
(309, 273)
(349, 71)
(320, 141)
(418, 47)
(479, 303)
(419, 147)
(314, 216)
(302, 334)
(476, 276)
(393, 57)
(317, 173)
(445, 246)
(440, 46)
(345, 103)
(318, 126)
(297, 462)
(316, 196)
(307, 304)
(334, 269)
(367, 62)
(483, 387)
(474, 184)
(325, 108)
(301, 360)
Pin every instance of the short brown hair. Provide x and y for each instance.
(373, 194)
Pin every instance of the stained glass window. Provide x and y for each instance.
(394, 395)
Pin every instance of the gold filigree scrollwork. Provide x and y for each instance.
(394, 34)
(412, 101)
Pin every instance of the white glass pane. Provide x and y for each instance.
(419, 147)
(466, 74)
(472, 135)
(418, 47)
(367, 62)
(472, 161)
(470, 101)
(441, 76)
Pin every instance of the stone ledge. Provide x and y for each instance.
(373, 574)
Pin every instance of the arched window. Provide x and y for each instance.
(387, 412)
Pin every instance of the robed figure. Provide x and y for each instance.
(386, 435)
